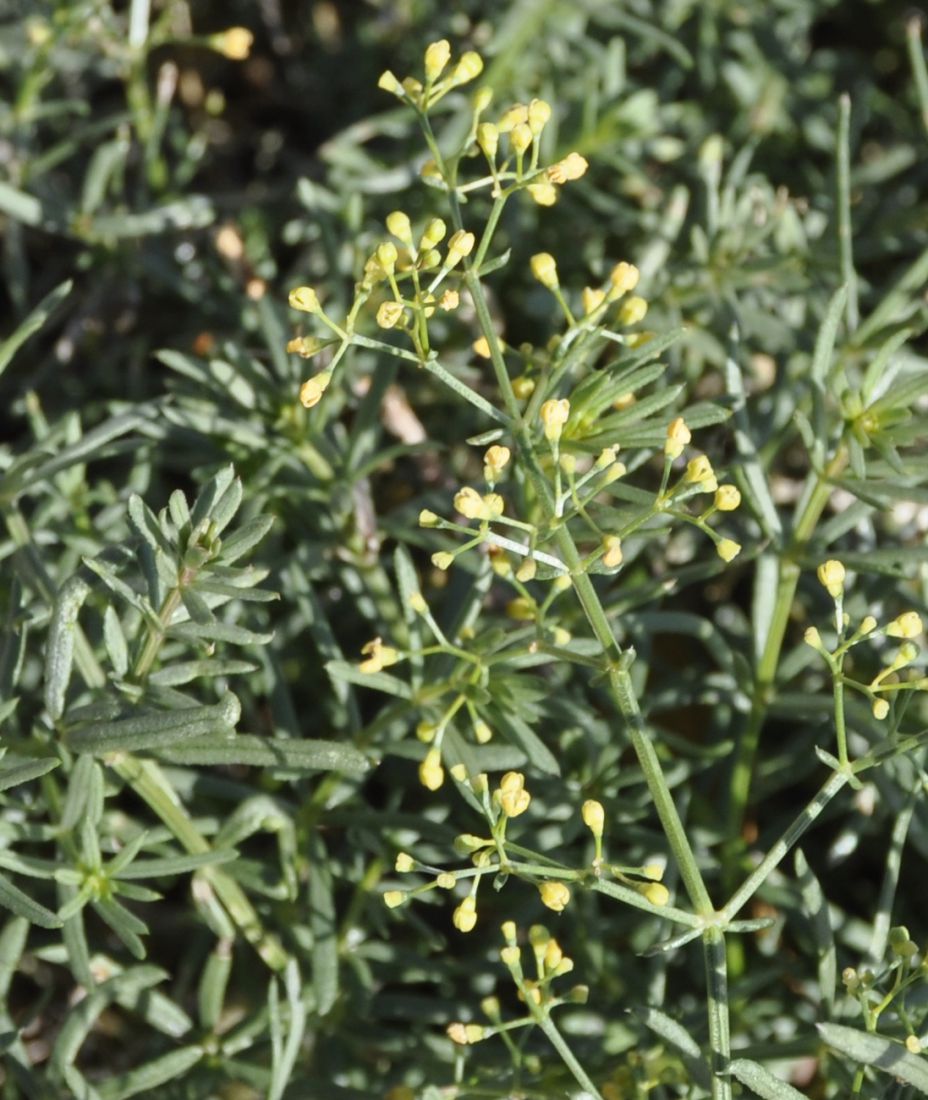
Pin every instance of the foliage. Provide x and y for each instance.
(553, 561)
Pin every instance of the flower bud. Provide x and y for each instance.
(488, 139)
(393, 898)
(460, 245)
(469, 503)
(633, 310)
(907, 625)
(515, 116)
(387, 256)
(431, 773)
(727, 498)
(555, 895)
(554, 414)
(623, 277)
(831, 575)
(482, 732)
(437, 56)
(495, 462)
(527, 570)
(728, 549)
(537, 116)
(594, 816)
(468, 68)
(544, 268)
(592, 298)
(389, 83)
(404, 863)
(656, 893)
(678, 435)
(544, 194)
(428, 518)
(509, 931)
(699, 472)
(434, 233)
(304, 298)
(398, 224)
(612, 545)
(465, 916)
(442, 560)
(481, 347)
(572, 167)
(390, 314)
(483, 97)
(520, 138)
(312, 390)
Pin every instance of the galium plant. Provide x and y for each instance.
(554, 529)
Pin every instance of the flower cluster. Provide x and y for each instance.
(905, 628)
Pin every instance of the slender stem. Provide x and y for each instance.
(845, 237)
(557, 1040)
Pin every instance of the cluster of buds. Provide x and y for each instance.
(906, 965)
(906, 627)
(441, 76)
(699, 477)
(596, 300)
(511, 796)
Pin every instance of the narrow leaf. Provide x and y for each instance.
(762, 1082)
(59, 647)
(873, 1050)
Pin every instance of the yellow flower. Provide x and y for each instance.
(465, 916)
(515, 116)
(907, 625)
(554, 414)
(389, 314)
(594, 816)
(460, 244)
(495, 462)
(469, 503)
(404, 863)
(450, 300)
(378, 656)
(727, 498)
(555, 895)
(699, 472)
(520, 138)
(633, 310)
(393, 898)
(544, 268)
(468, 68)
(623, 277)
(235, 43)
(592, 299)
(544, 194)
(431, 773)
(537, 115)
(305, 299)
(312, 390)
(612, 557)
(464, 1034)
(831, 575)
(678, 435)
(388, 83)
(434, 233)
(437, 56)
(572, 167)
(728, 550)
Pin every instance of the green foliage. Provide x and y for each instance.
(439, 604)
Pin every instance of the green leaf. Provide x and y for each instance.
(679, 1038)
(887, 1055)
(378, 681)
(816, 908)
(115, 641)
(218, 632)
(521, 733)
(269, 752)
(827, 334)
(175, 865)
(762, 1082)
(185, 671)
(11, 775)
(155, 730)
(151, 1075)
(59, 647)
(323, 923)
(12, 898)
(33, 322)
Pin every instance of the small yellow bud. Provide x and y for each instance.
(678, 435)
(592, 298)
(417, 603)
(509, 931)
(482, 732)
(389, 83)
(460, 244)
(490, 1006)
(568, 464)
(304, 298)
(390, 314)
(653, 871)
(446, 881)
(442, 560)
(465, 916)
(561, 636)
(913, 1044)
(431, 773)
(463, 1034)
(594, 816)
(433, 234)
(553, 956)
(728, 549)
(554, 414)
(527, 570)
(512, 800)
(428, 518)
(511, 957)
(555, 895)
(387, 256)
(612, 557)
(907, 625)
(404, 863)
(562, 582)
(458, 773)
(537, 115)
(727, 498)
(544, 194)
(305, 346)
(544, 268)
(656, 893)
(523, 387)
(483, 97)
(437, 56)
(312, 390)
(633, 310)
(572, 167)
(488, 139)
(430, 259)
(393, 898)
(450, 300)
(623, 277)
(515, 116)
(235, 43)
(398, 224)
(495, 461)
(868, 624)
(468, 68)
(606, 456)
(481, 347)
(699, 472)
(831, 575)
(412, 87)
(614, 472)
(812, 638)
(520, 138)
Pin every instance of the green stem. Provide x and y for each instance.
(845, 236)
(557, 1040)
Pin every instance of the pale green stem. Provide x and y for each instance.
(557, 1040)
